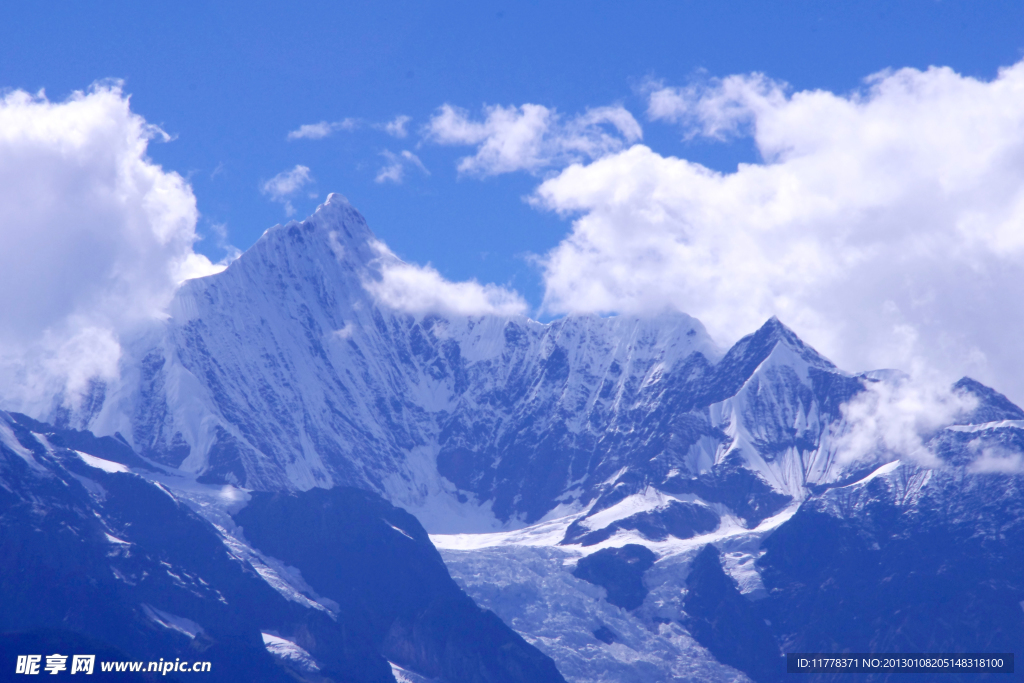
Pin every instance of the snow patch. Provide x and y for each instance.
(880, 472)
(289, 653)
(405, 676)
(986, 426)
(101, 464)
(542, 534)
(7, 438)
(399, 530)
(650, 499)
(173, 622)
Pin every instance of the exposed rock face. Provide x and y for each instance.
(93, 550)
(375, 559)
(94, 554)
(727, 623)
(620, 571)
(912, 560)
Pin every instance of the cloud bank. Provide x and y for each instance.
(531, 137)
(96, 238)
(885, 225)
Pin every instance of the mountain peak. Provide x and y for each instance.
(746, 355)
(335, 237)
(760, 344)
(336, 198)
(992, 406)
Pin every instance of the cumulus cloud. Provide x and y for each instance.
(531, 137)
(318, 131)
(394, 170)
(885, 225)
(287, 184)
(96, 238)
(422, 289)
(895, 417)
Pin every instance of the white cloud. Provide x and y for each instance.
(720, 108)
(997, 460)
(396, 127)
(96, 238)
(896, 417)
(885, 225)
(344, 333)
(287, 184)
(231, 252)
(318, 131)
(531, 137)
(394, 170)
(422, 289)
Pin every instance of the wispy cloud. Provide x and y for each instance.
(231, 252)
(717, 108)
(997, 460)
(317, 131)
(895, 418)
(397, 126)
(531, 137)
(287, 184)
(394, 170)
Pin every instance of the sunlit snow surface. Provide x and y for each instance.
(526, 578)
(172, 621)
(405, 676)
(289, 653)
(101, 464)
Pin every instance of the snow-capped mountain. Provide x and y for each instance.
(636, 502)
(284, 373)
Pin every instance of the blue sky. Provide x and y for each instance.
(230, 80)
(733, 160)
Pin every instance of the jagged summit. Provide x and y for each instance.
(752, 350)
(992, 406)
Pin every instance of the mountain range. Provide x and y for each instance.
(305, 482)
